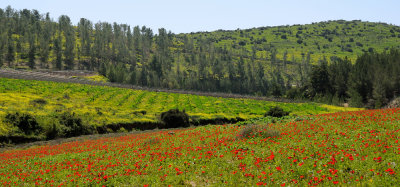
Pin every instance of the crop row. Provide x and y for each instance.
(117, 105)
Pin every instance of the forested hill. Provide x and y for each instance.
(332, 38)
(262, 61)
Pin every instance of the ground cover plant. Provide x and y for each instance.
(98, 106)
(347, 148)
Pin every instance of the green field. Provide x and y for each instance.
(98, 105)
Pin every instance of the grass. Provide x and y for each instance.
(99, 105)
(356, 35)
(96, 78)
(344, 149)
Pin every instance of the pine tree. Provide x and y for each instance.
(57, 50)
(10, 56)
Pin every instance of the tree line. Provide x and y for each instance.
(372, 81)
(138, 56)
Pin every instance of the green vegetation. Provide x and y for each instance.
(267, 61)
(174, 118)
(70, 106)
(294, 43)
(276, 112)
(25, 123)
(97, 78)
(341, 149)
(371, 82)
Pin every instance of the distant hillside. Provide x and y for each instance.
(261, 61)
(332, 38)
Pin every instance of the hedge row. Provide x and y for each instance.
(26, 128)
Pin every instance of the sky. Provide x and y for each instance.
(184, 16)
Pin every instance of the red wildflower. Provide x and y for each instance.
(390, 171)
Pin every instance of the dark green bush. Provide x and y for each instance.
(276, 112)
(299, 41)
(26, 123)
(55, 131)
(72, 125)
(175, 118)
(38, 102)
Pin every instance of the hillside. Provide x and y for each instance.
(102, 109)
(324, 39)
(260, 61)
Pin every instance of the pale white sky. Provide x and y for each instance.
(209, 15)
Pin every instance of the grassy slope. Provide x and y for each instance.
(351, 148)
(104, 105)
(315, 39)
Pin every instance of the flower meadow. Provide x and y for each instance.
(347, 148)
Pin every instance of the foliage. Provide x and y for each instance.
(71, 125)
(38, 102)
(26, 123)
(54, 131)
(174, 118)
(251, 131)
(260, 61)
(371, 82)
(96, 78)
(99, 106)
(276, 112)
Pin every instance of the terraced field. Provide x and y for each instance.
(101, 105)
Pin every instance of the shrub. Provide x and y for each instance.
(293, 93)
(276, 112)
(242, 43)
(38, 102)
(248, 131)
(122, 130)
(251, 131)
(175, 118)
(26, 123)
(66, 96)
(371, 50)
(55, 131)
(349, 50)
(72, 125)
